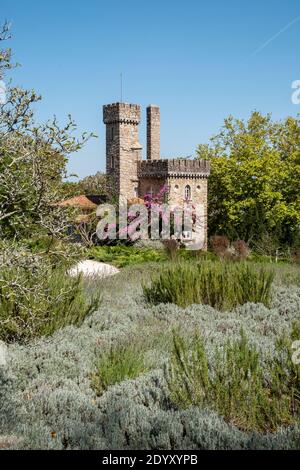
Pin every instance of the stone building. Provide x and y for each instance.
(132, 177)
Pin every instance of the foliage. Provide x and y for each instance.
(90, 185)
(267, 245)
(219, 245)
(37, 298)
(296, 255)
(121, 255)
(123, 361)
(149, 243)
(285, 382)
(255, 171)
(94, 184)
(7, 404)
(234, 385)
(289, 276)
(36, 295)
(54, 406)
(241, 249)
(171, 247)
(5, 54)
(223, 249)
(33, 161)
(221, 285)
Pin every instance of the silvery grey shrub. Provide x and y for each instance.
(47, 402)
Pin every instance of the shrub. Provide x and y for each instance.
(57, 408)
(121, 256)
(241, 249)
(219, 245)
(53, 252)
(268, 245)
(144, 252)
(36, 300)
(8, 405)
(234, 386)
(296, 256)
(171, 247)
(288, 275)
(148, 243)
(223, 286)
(285, 371)
(121, 362)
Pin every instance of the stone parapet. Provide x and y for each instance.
(123, 113)
(174, 167)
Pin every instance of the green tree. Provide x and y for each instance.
(90, 185)
(254, 182)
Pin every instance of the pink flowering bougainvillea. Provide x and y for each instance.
(153, 218)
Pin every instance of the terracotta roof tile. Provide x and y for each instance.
(81, 202)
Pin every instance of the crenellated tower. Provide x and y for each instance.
(131, 177)
(123, 150)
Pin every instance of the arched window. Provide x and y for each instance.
(187, 193)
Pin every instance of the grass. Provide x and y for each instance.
(289, 275)
(235, 385)
(128, 359)
(122, 362)
(224, 286)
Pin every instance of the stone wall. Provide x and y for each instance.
(176, 192)
(131, 177)
(121, 112)
(123, 149)
(176, 189)
(175, 166)
(148, 185)
(153, 132)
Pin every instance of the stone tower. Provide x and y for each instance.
(153, 132)
(131, 177)
(123, 150)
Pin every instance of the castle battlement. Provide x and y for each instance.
(174, 167)
(118, 113)
(131, 177)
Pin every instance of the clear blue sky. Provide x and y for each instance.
(196, 59)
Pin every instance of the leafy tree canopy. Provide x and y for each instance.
(254, 182)
(90, 185)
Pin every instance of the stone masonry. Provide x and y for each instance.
(123, 150)
(132, 177)
(153, 132)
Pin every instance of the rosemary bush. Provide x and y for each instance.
(47, 398)
(121, 362)
(224, 286)
(36, 300)
(236, 385)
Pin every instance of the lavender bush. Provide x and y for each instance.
(49, 403)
